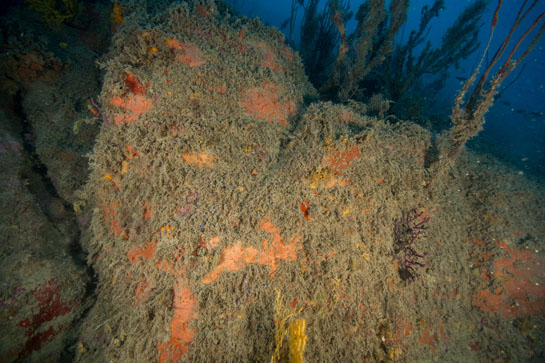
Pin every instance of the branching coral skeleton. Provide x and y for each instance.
(468, 120)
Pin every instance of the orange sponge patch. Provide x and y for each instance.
(190, 53)
(522, 276)
(236, 257)
(134, 106)
(181, 333)
(266, 104)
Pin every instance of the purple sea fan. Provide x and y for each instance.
(407, 231)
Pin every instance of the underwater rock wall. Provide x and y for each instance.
(195, 110)
(233, 222)
(43, 291)
(227, 218)
(47, 76)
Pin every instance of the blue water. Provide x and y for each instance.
(514, 131)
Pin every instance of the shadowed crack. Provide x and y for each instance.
(59, 213)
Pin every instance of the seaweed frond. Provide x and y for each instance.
(54, 11)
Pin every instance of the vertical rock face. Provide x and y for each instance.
(43, 290)
(46, 78)
(196, 108)
(223, 210)
(226, 220)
